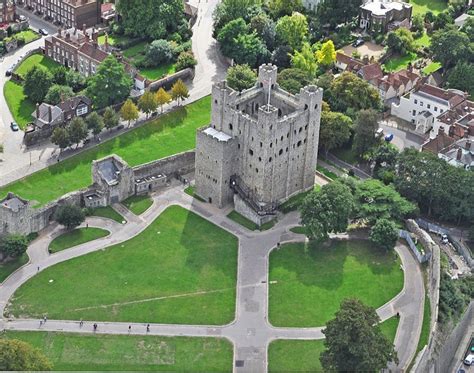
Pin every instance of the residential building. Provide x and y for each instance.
(7, 11)
(459, 154)
(458, 121)
(426, 103)
(47, 115)
(67, 13)
(107, 13)
(384, 15)
(311, 5)
(76, 49)
(260, 148)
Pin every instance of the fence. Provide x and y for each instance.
(461, 249)
(422, 258)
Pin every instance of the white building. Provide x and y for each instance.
(311, 4)
(422, 106)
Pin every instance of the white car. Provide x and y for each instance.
(444, 238)
(469, 360)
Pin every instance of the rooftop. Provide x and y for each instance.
(109, 171)
(220, 136)
(380, 7)
(12, 202)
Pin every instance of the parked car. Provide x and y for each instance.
(444, 238)
(358, 43)
(469, 360)
(43, 32)
(14, 126)
(389, 137)
(22, 17)
(379, 133)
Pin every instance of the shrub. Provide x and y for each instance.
(159, 52)
(185, 60)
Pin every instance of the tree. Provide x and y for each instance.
(129, 111)
(384, 234)
(327, 210)
(264, 26)
(450, 47)
(95, 123)
(281, 56)
(75, 80)
(77, 130)
(37, 83)
(292, 80)
(21, 356)
(281, 8)
(250, 50)
(110, 84)
(70, 216)
(375, 201)
(60, 137)
(468, 28)
(349, 92)
(418, 23)
(292, 30)
(229, 33)
(327, 54)
(58, 93)
(462, 77)
(354, 341)
(384, 159)
(441, 20)
(335, 131)
(179, 91)
(365, 129)
(13, 245)
(229, 10)
(185, 60)
(400, 41)
(59, 75)
(154, 19)
(159, 52)
(148, 103)
(305, 60)
(335, 12)
(162, 98)
(110, 118)
(240, 77)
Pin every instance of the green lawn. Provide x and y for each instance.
(20, 106)
(309, 282)
(154, 73)
(6, 269)
(180, 269)
(243, 221)
(76, 237)
(113, 39)
(425, 328)
(135, 50)
(331, 175)
(138, 204)
(86, 352)
(303, 356)
(191, 190)
(400, 62)
(29, 35)
(422, 6)
(170, 134)
(36, 60)
(298, 230)
(423, 41)
(107, 212)
(431, 68)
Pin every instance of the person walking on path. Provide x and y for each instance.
(129, 328)
(81, 323)
(41, 323)
(95, 327)
(148, 328)
(45, 319)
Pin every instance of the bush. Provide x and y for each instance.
(384, 234)
(240, 77)
(185, 60)
(159, 52)
(13, 245)
(69, 215)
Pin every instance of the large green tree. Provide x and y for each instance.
(354, 341)
(229, 10)
(336, 129)
(305, 59)
(153, 19)
(335, 12)
(94, 123)
(292, 80)
(20, 356)
(462, 77)
(69, 215)
(13, 245)
(281, 8)
(77, 130)
(400, 41)
(58, 93)
(292, 30)
(450, 47)
(365, 128)
(240, 77)
(327, 210)
(110, 84)
(384, 234)
(38, 80)
(60, 137)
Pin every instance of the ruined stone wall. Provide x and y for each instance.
(178, 164)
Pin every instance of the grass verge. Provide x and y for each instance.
(243, 221)
(36, 59)
(19, 105)
(138, 204)
(76, 237)
(181, 269)
(86, 352)
(425, 328)
(107, 212)
(7, 268)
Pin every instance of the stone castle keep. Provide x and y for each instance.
(260, 148)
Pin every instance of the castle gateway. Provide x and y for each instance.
(261, 146)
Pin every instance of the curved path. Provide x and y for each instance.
(250, 332)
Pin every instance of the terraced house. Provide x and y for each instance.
(68, 13)
(7, 11)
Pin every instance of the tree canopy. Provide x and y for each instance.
(58, 93)
(384, 234)
(240, 77)
(38, 80)
(69, 215)
(292, 30)
(335, 130)
(365, 129)
(13, 245)
(292, 80)
(354, 341)
(450, 47)
(17, 355)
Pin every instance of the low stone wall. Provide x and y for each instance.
(175, 165)
(420, 257)
(168, 81)
(246, 211)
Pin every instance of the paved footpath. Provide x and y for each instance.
(250, 332)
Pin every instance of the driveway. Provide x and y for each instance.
(402, 139)
(367, 49)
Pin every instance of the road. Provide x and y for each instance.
(19, 161)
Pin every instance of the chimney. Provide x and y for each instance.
(68, 36)
(106, 44)
(84, 28)
(50, 114)
(37, 110)
(59, 31)
(468, 145)
(440, 130)
(95, 35)
(459, 154)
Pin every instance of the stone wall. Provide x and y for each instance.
(246, 211)
(168, 81)
(178, 164)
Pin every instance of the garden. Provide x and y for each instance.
(170, 134)
(181, 269)
(76, 237)
(309, 281)
(98, 352)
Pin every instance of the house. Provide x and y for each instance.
(384, 15)
(76, 49)
(78, 106)
(426, 103)
(461, 20)
(458, 121)
(7, 11)
(459, 154)
(440, 142)
(107, 13)
(67, 13)
(347, 63)
(47, 116)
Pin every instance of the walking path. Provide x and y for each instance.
(251, 331)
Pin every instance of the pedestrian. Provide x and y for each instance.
(148, 328)
(398, 314)
(95, 326)
(45, 319)
(87, 225)
(38, 268)
(41, 323)
(81, 323)
(129, 328)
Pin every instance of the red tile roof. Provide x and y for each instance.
(452, 97)
(93, 52)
